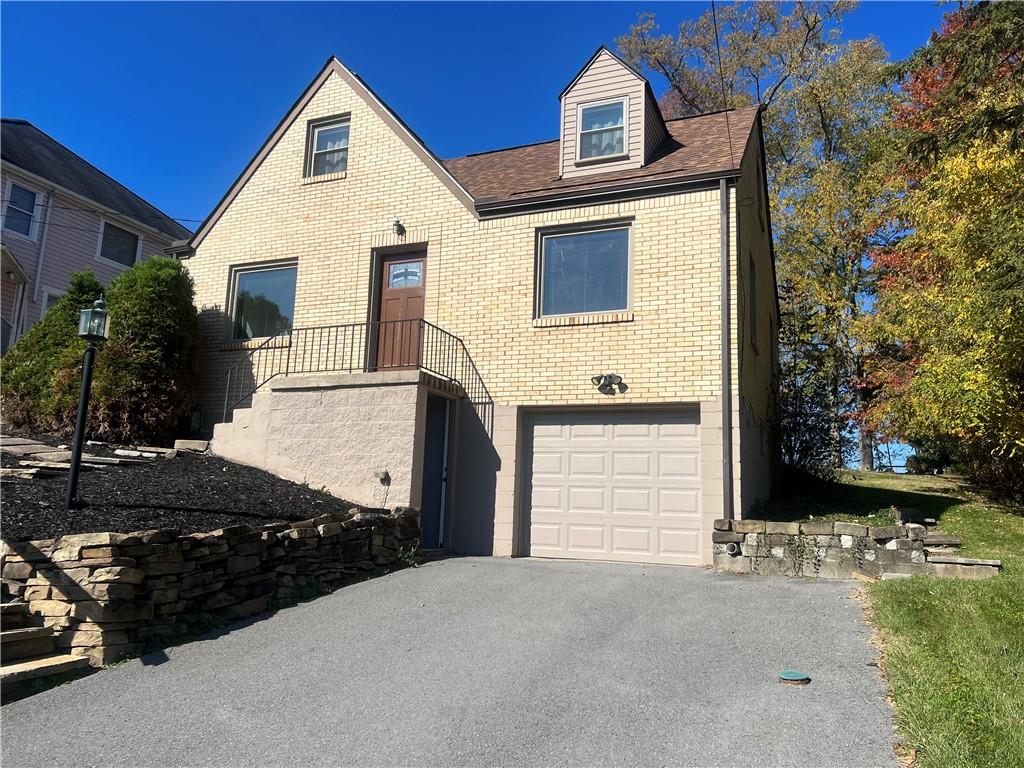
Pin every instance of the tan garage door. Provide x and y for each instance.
(619, 485)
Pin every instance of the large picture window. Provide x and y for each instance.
(264, 302)
(584, 272)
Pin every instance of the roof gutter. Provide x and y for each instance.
(491, 210)
(727, 480)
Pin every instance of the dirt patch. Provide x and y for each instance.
(186, 493)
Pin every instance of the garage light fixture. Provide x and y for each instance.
(607, 383)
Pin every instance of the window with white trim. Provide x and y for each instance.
(263, 301)
(20, 211)
(327, 143)
(50, 300)
(584, 272)
(602, 130)
(118, 245)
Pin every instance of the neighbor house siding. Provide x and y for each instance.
(69, 241)
(654, 129)
(606, 78)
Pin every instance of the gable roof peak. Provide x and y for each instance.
(600, 49)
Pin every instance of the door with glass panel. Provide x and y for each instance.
(399, 334)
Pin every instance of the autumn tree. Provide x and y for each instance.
(826, 105)
(948, 331)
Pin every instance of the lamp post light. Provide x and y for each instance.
(94, 327)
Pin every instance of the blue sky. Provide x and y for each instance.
(173, 99)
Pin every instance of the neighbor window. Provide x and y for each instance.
(752, 301)
(264, 302)
(118, 244)
(602, 130)
(20, 213)
(328, 147)
(50, 301)
(584, 272)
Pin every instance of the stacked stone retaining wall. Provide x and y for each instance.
(108, 594)
(832, 550)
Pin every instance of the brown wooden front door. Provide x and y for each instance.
(402, 295)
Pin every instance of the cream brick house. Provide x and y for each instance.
(527, 344)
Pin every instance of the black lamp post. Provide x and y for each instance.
(93, 326)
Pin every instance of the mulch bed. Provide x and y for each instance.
(187, 493)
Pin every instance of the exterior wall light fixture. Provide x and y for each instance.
(608, 383)
(398, 228)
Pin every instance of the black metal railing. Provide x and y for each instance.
(359, 348)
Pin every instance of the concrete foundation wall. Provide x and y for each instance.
(335, 431)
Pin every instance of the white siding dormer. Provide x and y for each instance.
(608, 119)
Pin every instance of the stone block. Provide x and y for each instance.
(915, 531)
(726, 537)
(239, 564)
(64, 554)
(91, 638)
(251, 548)
(35, 593)
(248, 607)
(823, 541)
(196, 446)
(165, 569)
(159, 596)
(120, 574)
(817, 528)
(166, 556)
(104, 655)
(887, 532)
(748, 526)
(754, 545)
(50, 607)
(88, 553)
(722, 525)
(92, 539)
(778, 553)
(846, 541)
(850, 529)
(124, 610)
(728, 564)
(99, 591)
(787, 529)
(964, 561)
(18, 571)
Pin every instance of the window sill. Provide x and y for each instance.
(323, 177)
(602, 159)
(596, 318)
(15, 233)
(117, 264)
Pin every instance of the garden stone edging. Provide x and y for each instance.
(823, 549)
(107, 594)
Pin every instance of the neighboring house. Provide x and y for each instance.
(63, 215)
(527, 344)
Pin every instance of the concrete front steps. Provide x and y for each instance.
(28, 652)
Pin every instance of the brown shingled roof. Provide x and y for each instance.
(697, 146)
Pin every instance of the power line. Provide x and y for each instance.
(721, 77)
(97, 210)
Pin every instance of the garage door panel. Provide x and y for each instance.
(631, 540)
(678, 502)
(631, 501)
(586, 538)
(678, 465)
(622, 485)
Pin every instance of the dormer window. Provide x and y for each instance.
(602, 130)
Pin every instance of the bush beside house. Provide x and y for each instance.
(145, 378)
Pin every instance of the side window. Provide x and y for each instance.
(118, 245)
(263, 302)
(602, 131)
(20, 212)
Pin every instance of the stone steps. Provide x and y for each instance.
(25, 642)
(940, 539)
(42, 666)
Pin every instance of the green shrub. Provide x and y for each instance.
(144, 382)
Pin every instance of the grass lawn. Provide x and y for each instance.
(953, 650)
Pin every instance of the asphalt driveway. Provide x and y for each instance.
(480, 661)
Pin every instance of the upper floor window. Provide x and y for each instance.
(20, 211)
(327, 144)
(584, 272)
(118, 245)
(602, 130)
(264, 301)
